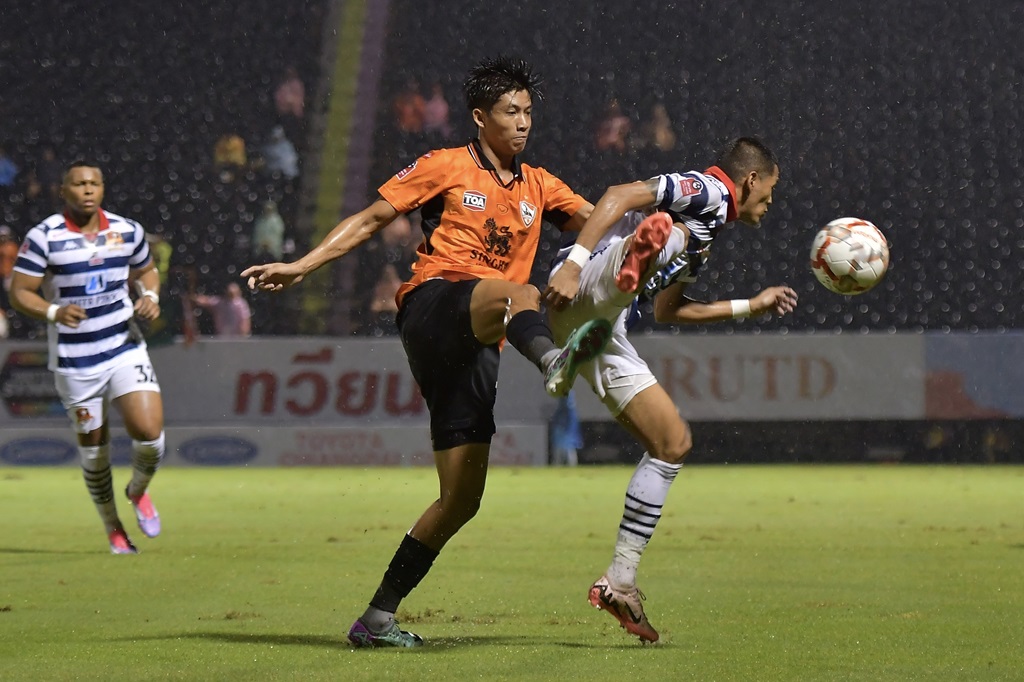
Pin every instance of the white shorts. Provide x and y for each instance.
(87, 398)
(619, 373)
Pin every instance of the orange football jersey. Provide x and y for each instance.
(475, 227)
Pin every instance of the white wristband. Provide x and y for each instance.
(740, 307)
(579, 255)
(152, 295)
(51, 313)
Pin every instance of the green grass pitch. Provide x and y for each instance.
(756, 573)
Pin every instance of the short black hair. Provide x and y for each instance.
(80, 162)
(492, 78)
(745, 154)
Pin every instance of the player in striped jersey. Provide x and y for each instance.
(82, 260)
(657, 255)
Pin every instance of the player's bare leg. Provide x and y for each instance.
(503, 309)
(652, 418)
(462, 475)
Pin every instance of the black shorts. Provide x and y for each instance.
(457, 374)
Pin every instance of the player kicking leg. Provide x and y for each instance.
(460, 395)
(608, 283)
(738, 187)
(627, 387)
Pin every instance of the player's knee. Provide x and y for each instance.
(675, 449)
(460, 510)
(146, 432)
(144, 427)
(526, 297)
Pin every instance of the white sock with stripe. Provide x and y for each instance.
(100, 482)
(146, 457)
(645, 496)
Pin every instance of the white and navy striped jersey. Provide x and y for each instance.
(91, 272)
(702, 201)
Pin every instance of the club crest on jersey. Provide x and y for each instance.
(408, 169)
(114, 240)
(528, 211)
(474, 201)
(690, 186)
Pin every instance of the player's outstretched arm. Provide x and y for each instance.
(347, 235)
(673, 307)
(613, 204)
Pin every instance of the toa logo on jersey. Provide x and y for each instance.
(474, 201)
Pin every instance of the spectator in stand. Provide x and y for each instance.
(290, 95)
(656, 133)
(409, 108)
(162, 252)
(48, 173)
(229, 156)
(613, 129)
(280, 156)
(565, 433)
(8, 256)
(268, 234)
(382, 309)
(435, 114)
(232, 317)
(8, 169)
(393, 247)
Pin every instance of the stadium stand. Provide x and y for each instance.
(923, 137)
(147, 94)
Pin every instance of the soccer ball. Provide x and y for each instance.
(849, 256)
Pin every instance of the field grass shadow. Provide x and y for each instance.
(437, 644)
(37, 550)
(433, 644)
(329, 641)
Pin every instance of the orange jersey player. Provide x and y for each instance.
(482, 210)
(475, 224)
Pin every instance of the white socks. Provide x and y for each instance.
(145, 461)
(100, 482)
(645, 496)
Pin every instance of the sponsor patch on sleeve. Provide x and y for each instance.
(405, 171)
(690, 186)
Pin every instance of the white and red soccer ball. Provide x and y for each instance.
(849, 256)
